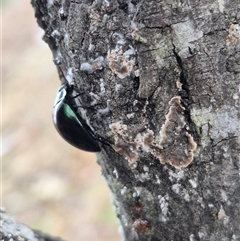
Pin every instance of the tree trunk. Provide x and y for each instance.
(162, 78)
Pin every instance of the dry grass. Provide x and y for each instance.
(47, 184)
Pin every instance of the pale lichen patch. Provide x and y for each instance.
(123, 146)
(224, 195)
(148, 139)
(179, 85)
(92, 65)
(221, 5)
(174, 121)
(127, 150)
(177, 175)
(185, 34)
(120, 63)
(175, 147)
(193, 183)
(177, 144)
(233, 34)
(222, 216)
(186, 195)
(223, 123)
(176, 188)
(164, 206)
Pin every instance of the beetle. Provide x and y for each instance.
(70, 124)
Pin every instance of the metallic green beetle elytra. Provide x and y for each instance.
(70, 125)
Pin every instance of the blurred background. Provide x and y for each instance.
(46, 184)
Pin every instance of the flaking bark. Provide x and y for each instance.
(163, 78)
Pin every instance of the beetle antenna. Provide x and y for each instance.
(62, 76)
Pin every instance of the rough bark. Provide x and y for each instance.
(163, 80)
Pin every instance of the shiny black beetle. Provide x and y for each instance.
(70, 125)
